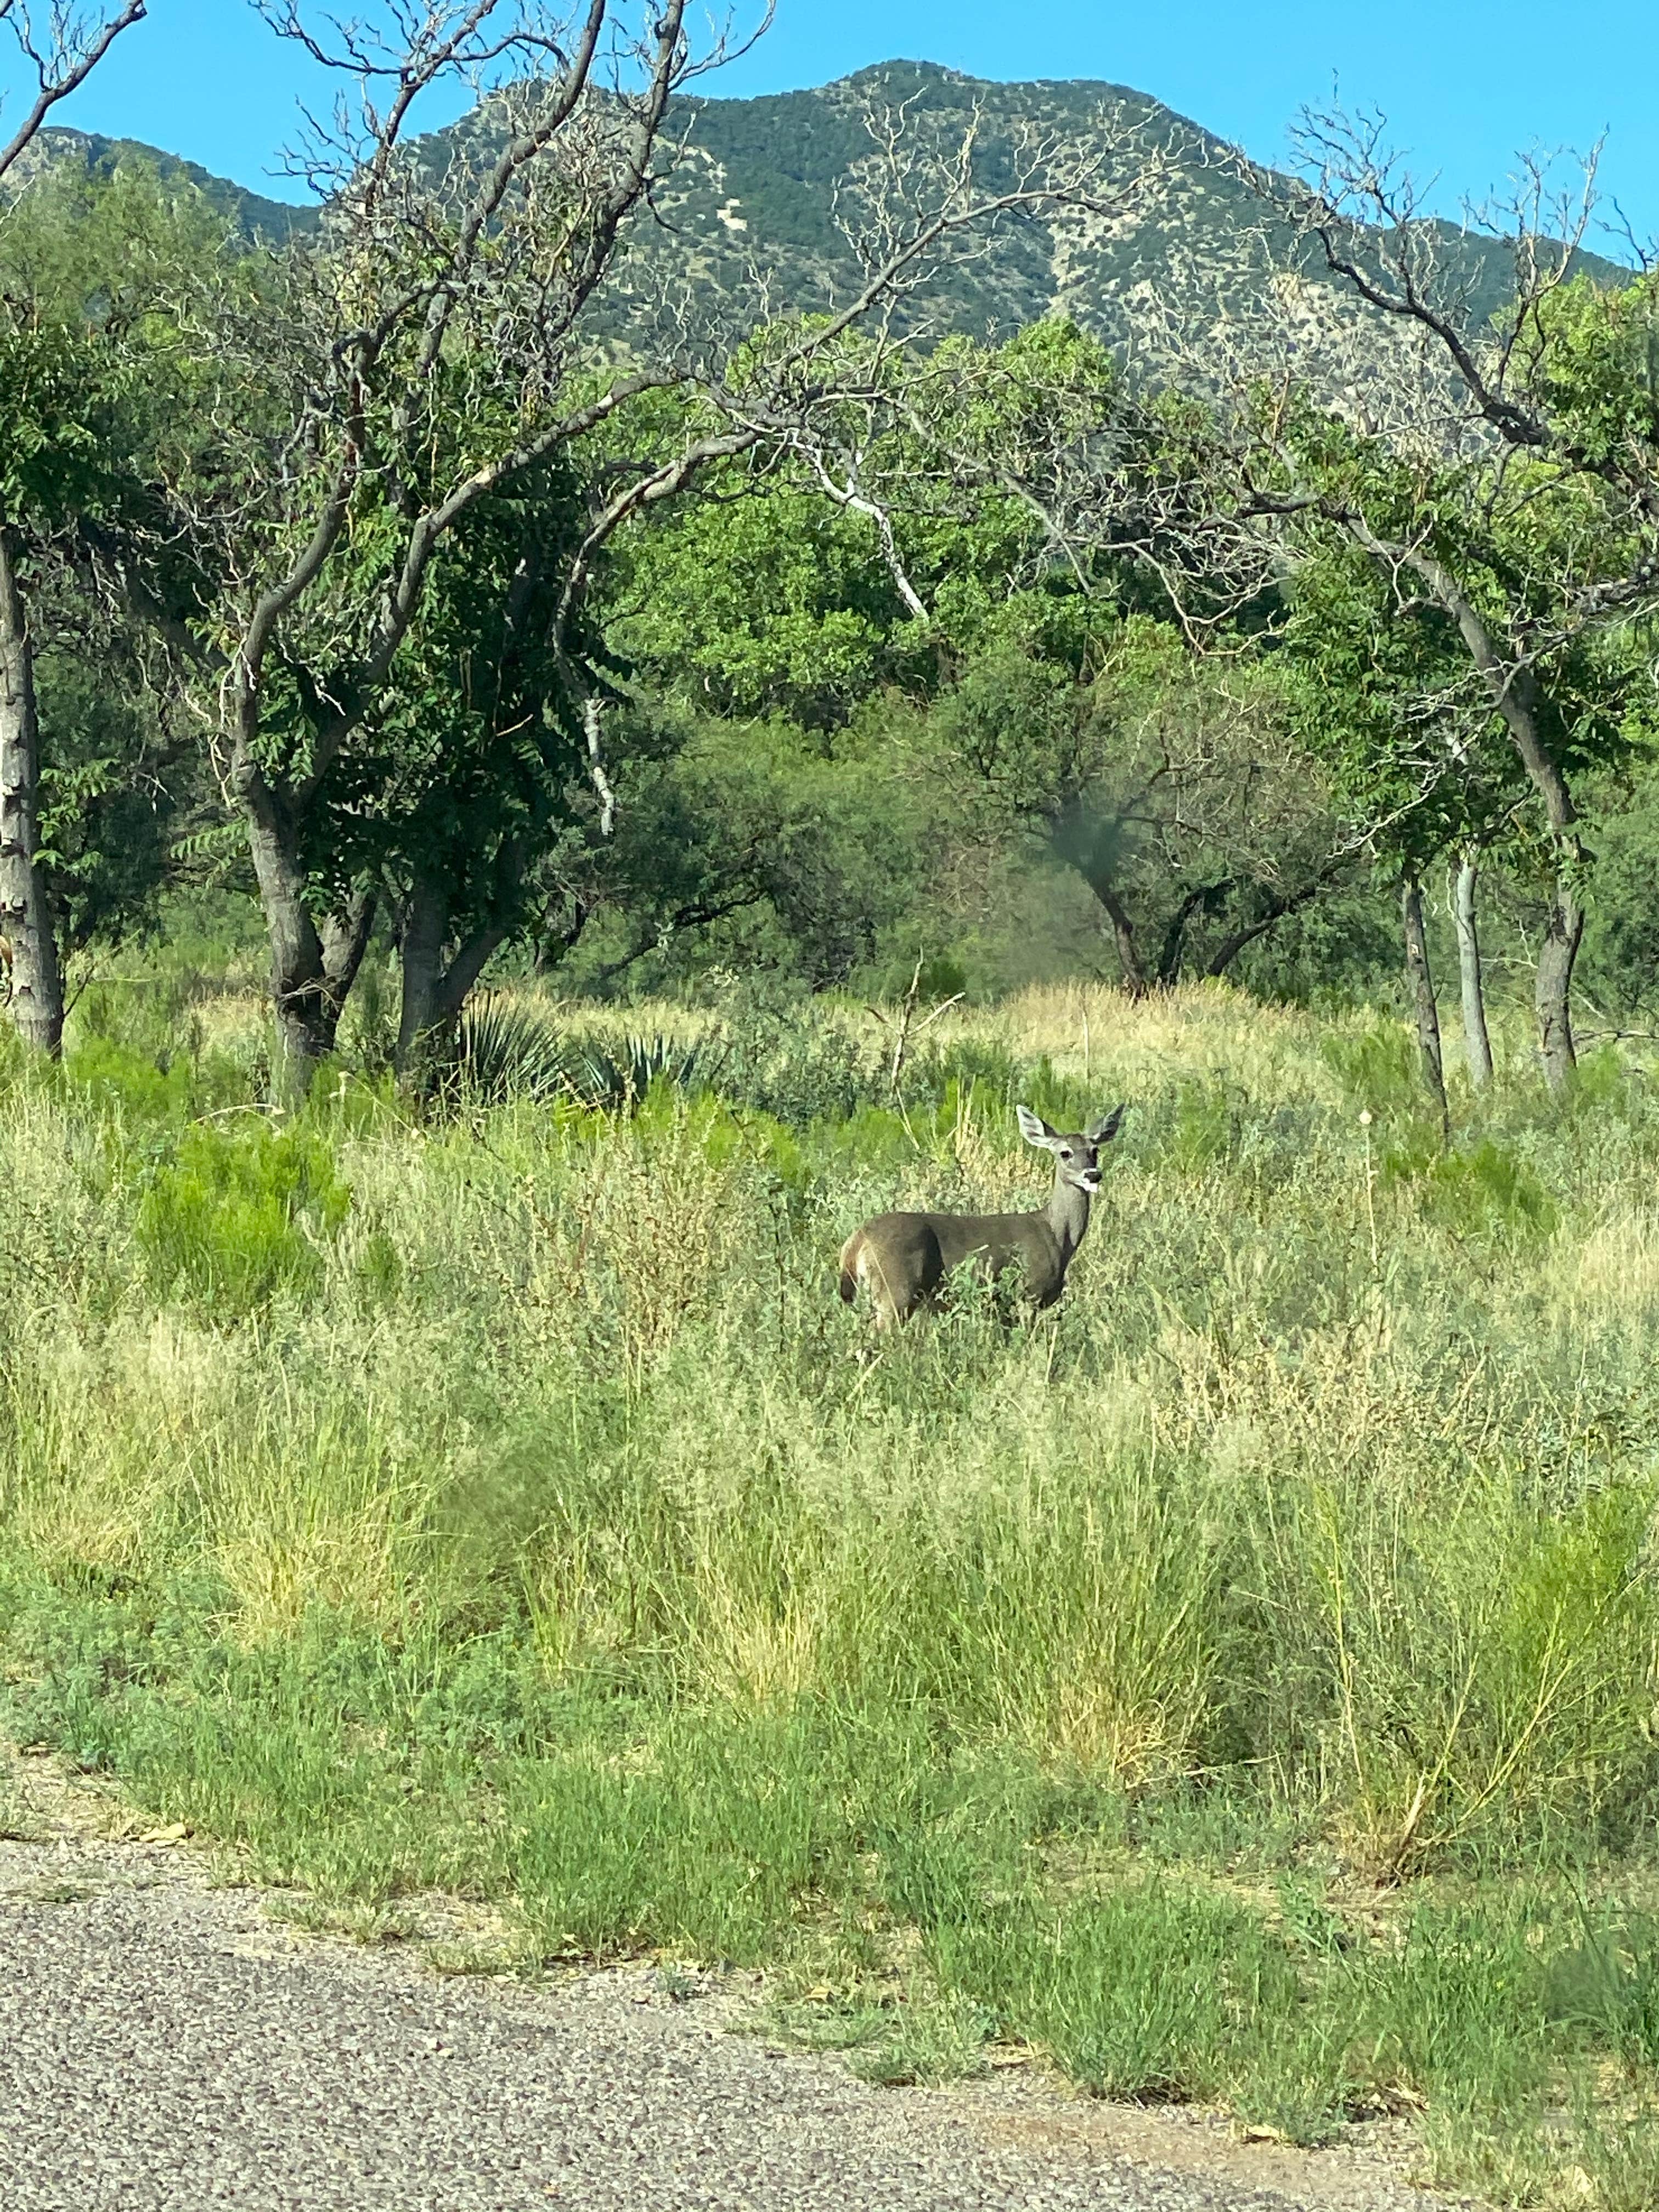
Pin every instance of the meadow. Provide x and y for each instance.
(1241, 1684)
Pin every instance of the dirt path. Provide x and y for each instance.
(168, 2042)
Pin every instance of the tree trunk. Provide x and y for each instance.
(1286, 902)
(345, 937)
(1207, 899)
(1476, 1042)
(433, 993)
(37, 976)
(1422, 991)
(313, 969)
(421, 1041)
(1552, 991)
(1526, 712)
(1136, 982)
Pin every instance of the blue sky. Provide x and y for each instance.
(1464, 83)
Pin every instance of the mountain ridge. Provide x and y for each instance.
(754, 194)
(98, 156)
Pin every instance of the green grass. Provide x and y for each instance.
(1238, 1685)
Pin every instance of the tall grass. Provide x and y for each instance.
(1239, 1683)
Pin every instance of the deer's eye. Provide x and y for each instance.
(1065, 1154)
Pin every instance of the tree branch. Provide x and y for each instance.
(65, 67)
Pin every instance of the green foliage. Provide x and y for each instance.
(1376, 1068)
(1362, 679)
(114, 1060)
(134, 1083)
(1200, 1132)
(97, 276)
(1067, 1685)
(753, 847)
(605, 1074)
(110, 800)
(1620, 959)
(1480, 1190)
(238, 1216)
(784, 1057)
(506, 1051)
(778, 603)
(1137, 1994)
(464, 773)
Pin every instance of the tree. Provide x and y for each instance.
(472, 764)
(54, 421)
(426, 354)
(421, 359)
(1176, 790)
(1421, 772)
(1505, 484)
(760, 597)
(1501, 478)
(1181, 798)
(62, 56)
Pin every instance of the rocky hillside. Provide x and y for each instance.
(254, 215)
(755, 195)
(758, 192)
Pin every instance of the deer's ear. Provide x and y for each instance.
(1034, 1128)
(1109, 1128)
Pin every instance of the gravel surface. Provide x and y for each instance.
(165, 2043)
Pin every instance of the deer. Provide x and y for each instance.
(903, 1259)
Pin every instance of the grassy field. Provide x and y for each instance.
(1238, 1685)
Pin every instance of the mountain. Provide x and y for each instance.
(757, 191)
(753, 200)
(254, 216)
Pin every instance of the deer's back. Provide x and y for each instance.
(904, 1257)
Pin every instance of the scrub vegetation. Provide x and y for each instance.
(1237, 1685)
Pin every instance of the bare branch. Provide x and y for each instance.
(63, 61)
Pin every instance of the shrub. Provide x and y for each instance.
(795, 1064)
(507, 1052)
(138, 1085)
(1477, 1192)
(1200, 1129)
(238, 1215)
(616, 1076)
(1378, 1069)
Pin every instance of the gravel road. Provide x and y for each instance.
(165, 2043)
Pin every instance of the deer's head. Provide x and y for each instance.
(1076, 1158)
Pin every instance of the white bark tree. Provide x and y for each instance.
(60, 50)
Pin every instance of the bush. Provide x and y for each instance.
(1479, 1192)
(240, 1215)
(1378, 1069)
(507, 1052)
(786, 1056)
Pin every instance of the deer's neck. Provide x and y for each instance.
(1067, 1215)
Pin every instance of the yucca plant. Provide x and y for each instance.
(506, 1051)
(617, 1075)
